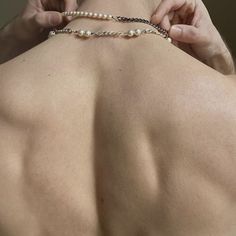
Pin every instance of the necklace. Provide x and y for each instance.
(81, 33)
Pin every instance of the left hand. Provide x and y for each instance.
(39, 16)
(190, 26)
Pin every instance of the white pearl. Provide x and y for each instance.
(104, 17)
(82, 13)
(148, 30)
(86, 13)
(90, 14)
(52, 33)
(95, 15)
(138, 32)
(87, 34)
(81, 33)
(109, 17)
(100, 16)
(169, 40)
(131, 33)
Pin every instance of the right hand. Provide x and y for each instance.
(39, 16)
(191, 28)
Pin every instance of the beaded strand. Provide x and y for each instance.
(99, 16)
(86, 14)
(87, 34)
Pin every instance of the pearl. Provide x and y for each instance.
(169, 40)
(109, 17)
(82, 13)
(147, 30)
(131, 33)
(138, 32)
(95, 15)
(90, 14)
(81, 33)
(86, 13)
(100, 16)
(52, 33)
(104, 17)
(87, 34)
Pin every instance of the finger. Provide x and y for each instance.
(197, 16)
(187, 9)
(171, 15)
(48, 19)
(165, 23)
(71, 5)
(164, 8)
(176, 20)
(185, 34)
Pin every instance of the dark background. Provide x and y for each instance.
(223, 15)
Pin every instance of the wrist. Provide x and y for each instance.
(9, 44)
(14, 40)
(21, 30)
(222, 61)
(217, 55)
(8, 34)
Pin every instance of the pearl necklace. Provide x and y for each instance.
(99, 16)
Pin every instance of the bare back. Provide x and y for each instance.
(116, 137)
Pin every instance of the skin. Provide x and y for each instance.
(39, 17)
(110, 137)
(192, 29)
(32, 25)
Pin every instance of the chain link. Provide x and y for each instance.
(144, 21)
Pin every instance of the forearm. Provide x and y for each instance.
(222, 62)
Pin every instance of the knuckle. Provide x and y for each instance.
(38, 18)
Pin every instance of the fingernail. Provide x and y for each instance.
(176, 31)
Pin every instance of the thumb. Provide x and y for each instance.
(48, 19)
(185, 33)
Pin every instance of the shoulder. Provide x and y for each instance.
(18, 89)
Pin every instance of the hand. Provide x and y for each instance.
(191, 28)
(40, 15)
(32, 26)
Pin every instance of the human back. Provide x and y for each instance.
(117, 137)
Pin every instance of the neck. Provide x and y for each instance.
(129, 8)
